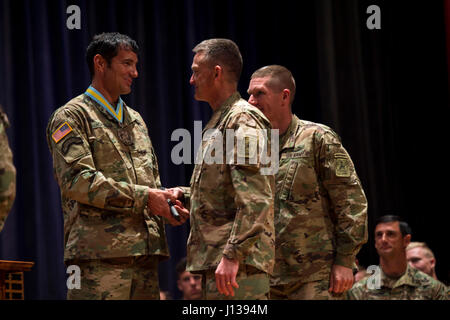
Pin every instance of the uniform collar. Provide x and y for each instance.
(222, 110)
(287, 140)
(127, 116)
(116, 111)
(406, 278)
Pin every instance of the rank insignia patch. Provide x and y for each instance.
(342, 166)
(247, 143)
(61, 132)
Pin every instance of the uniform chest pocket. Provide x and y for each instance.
(300, 180)
(200, 160)
(145, 167)
(107, 153)
(288, 180)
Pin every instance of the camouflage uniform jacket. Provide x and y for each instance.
(231, 205)
(7, 172)
(320, 206)
(104, 180)
(412, 285)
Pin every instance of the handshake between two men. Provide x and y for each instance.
(168, 203)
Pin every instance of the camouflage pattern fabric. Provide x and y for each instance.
(231, 205)
(320, 206)
(7, 171)
(133, 278)
(412, 285)
(315, 290)
(104, 170)
(254, 284)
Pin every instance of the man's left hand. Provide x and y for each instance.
(226, 276)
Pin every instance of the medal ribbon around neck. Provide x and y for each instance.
(100, 99)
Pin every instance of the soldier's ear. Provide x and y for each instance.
(218, 71)
(286, 97)
(99, 63)
(286, 94)
(433, 262)
(406, 240)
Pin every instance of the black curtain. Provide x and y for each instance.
(385, 92)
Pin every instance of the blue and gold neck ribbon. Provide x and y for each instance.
(100, 99)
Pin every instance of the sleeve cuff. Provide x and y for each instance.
(187, 197)
(141, 199)
(232, 253)
(345, 260)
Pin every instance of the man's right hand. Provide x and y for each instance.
(157, 204)
(177, 192)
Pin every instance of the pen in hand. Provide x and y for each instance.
(173, 211)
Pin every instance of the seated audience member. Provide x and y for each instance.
(188, 283)
(396, 280)
(420, 256)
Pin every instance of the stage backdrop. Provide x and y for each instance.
(384, 91)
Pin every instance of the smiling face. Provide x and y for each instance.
(389, 240)
(118, 76)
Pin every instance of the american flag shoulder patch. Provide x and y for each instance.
(61, 132)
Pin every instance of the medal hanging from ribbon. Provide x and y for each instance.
(100, 99)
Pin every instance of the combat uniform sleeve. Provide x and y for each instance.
(7, 172)
(187, 197)
(348, 207)
(253, 196)
(441, 292)
(76, 173)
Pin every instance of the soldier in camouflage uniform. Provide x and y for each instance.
(320, 206)
(7, 171)
(107, 172)
(232, 233)
(396, 279)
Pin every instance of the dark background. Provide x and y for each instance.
(385, 92)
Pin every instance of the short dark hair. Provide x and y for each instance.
(280, 78)
(223, 52)
(108, 45)
(405, 229)
(181, 266)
